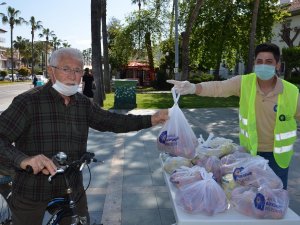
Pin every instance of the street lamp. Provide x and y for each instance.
(3, 3)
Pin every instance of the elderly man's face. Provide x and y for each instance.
(68, 71)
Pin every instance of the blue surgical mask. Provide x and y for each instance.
(264, 72)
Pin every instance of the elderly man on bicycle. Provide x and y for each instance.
(55, 118)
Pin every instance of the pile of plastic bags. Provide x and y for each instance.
(222, 175)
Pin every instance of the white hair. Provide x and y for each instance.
(57, 54)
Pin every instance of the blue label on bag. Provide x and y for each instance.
(259, 201)
(237, 174)
(167, 140)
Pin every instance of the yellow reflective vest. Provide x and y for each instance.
(285, 132)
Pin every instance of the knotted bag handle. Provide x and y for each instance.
(175, 95)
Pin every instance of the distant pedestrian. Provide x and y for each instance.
(87, 83)
(34, 81)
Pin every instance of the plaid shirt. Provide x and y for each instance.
(39, 122)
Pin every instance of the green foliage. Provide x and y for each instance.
(165, 100)
(222, 30)
(291, 58)
(201, 78)
(160, 82)
(3, 73)
(23, 71)
(295, 78)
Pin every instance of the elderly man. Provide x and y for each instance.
(50, 119)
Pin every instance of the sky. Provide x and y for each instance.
(69, 19)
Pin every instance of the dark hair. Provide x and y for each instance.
(268, 47)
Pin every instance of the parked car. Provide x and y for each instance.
(9, 77)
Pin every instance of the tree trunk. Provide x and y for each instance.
(226, 21)
(149, 50)
(12, 54)
(107, 77)
(172, 21)
(32, 58)
(46, 57)
(186, 40)
(252, 37)
(96, 49)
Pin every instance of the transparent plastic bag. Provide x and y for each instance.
(231, 161)
(176, 136)
(215, 146)
(185, 175)
(173, 163)
(263, 203)
(204, 196)
(257, 173)
(211, 164)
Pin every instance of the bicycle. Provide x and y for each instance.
(63, 207)
(66, 206)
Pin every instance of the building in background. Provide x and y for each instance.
(139, 71)
(3, 58)
(287, 33)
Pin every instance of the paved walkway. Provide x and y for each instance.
(129, 188)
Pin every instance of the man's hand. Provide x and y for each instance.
(183, 87)
(39, 163)
(160, 117)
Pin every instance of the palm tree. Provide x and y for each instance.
(46, 33)
(35, 25)
(20, 45)
(56, 42)
(13, 19)
(65, 44)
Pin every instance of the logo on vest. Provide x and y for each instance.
(283, 117)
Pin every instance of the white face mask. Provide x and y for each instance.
(66, 90)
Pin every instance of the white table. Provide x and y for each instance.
(230, 217)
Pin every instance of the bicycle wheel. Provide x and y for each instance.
(64, 213)
(5, 214)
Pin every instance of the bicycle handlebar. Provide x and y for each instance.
(85, 159)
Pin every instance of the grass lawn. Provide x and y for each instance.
(165, 100)
(7, 82)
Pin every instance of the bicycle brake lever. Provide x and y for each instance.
(59, 170)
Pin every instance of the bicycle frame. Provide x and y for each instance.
(66, 206)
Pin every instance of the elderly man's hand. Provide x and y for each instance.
(183, 87)
(160, 117)
(39, 163)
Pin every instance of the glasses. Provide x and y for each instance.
(68, 71)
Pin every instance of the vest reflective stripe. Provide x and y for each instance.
(243, 120)
(243, 132)
(283, 149)
(285, 130)
(286, 135)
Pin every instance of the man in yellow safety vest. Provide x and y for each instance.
(269, 108)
